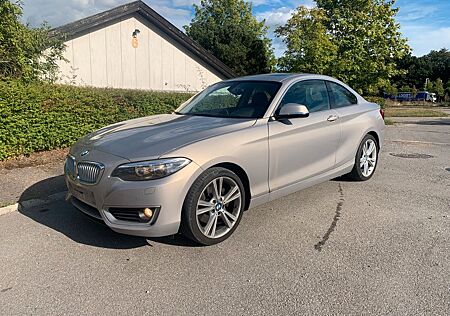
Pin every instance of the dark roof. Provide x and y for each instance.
(83, 26)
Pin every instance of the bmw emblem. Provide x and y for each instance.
(84, 153)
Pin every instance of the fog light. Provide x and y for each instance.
(148, 212)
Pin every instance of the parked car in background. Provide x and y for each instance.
(238, 144)
(409, 96)
(426, 96)
(405, 96)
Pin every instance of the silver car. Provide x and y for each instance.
(236, 145)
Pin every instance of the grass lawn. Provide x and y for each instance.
(399, 112)
(388, 121)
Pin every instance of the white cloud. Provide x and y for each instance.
(423, 39)
(412, 13)
(57, 12)
(425, 24)
(185, 3)
(178, 17)
(276, 17)
(256, 3)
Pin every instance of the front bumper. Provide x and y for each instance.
(166, 195)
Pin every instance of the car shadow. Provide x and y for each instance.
(62, 217)
(44, 189)
(342, 179)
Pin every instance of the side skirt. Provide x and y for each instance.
(292, 188)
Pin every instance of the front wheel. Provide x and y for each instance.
(366, 159)
(213, 207)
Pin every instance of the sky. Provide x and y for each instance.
(426, 23)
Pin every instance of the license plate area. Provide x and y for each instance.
(82, 194)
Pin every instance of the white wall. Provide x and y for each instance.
(106, 58)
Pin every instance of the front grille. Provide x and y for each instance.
(86, 172)
(89, 172)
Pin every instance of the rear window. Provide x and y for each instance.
(340, 96)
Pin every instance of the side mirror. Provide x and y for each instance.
(292, 110)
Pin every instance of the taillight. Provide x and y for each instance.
(382, 113)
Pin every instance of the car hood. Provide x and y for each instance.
(152, 136)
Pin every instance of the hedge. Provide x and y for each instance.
(381, 101)
(38, 116)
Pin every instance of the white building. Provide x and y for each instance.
(133, 47)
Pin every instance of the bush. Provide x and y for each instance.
(40, 116)
(379, 100)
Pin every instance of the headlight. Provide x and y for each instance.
(149, 170)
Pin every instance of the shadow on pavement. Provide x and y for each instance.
(175, 240)
(64, 218)
(43, 189)
(342, 179)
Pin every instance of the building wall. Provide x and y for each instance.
(106, 58)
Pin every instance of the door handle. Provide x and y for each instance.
(332, 118)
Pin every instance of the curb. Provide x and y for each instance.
(9, 209)
(60, 196)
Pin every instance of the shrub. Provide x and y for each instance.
(40, 116)
(379, 100)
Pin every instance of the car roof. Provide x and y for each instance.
(287, 78)
(280, 77)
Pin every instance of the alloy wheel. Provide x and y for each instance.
(368, 159)
(218, 207)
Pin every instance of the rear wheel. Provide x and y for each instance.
(366, 159)
(213, 207)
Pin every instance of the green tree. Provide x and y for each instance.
(362, 35)
(414, 91)
(308, 46)
(405, 88)
(228, 29)
(447, 87)
(429, 86)
(435, 64)
(391, 90)
(25, 53)
(439, 88)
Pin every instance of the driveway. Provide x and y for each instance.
(378, 247)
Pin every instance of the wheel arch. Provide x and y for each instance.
(376, 136)
(240, 172)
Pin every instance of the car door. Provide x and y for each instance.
(353, 122)
(301, 148)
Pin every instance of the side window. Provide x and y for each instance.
(341, 96)
(311, 93)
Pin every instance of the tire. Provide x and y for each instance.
(209, 216)
(359, 173)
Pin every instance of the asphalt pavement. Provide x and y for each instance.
(378, 247)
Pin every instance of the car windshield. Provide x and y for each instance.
(236, 99)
